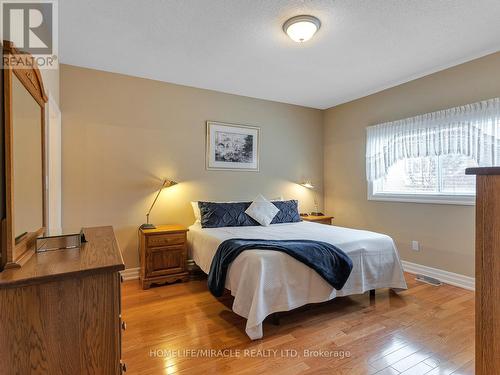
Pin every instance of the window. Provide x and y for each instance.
(436, 179)
(423, 159)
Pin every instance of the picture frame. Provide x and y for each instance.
(232, 147)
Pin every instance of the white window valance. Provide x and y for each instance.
(472, 130)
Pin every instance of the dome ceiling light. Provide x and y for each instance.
(301, 28)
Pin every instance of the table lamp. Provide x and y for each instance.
(309, 185)
(166, 184)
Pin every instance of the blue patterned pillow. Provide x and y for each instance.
(289, 212)
(216, 215)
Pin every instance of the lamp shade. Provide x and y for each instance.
(168, 183)
(308, 185)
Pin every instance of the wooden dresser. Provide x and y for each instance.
(60, 312)
(487, 270)
(163, 255)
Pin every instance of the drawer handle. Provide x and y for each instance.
(123, 367)
(124, 326)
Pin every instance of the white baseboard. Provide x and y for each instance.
(446, 277)
(133, 273)
(130, 274)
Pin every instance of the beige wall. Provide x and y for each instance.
(446, 232)
(121, 135)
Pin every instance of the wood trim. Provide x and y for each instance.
(487, 274)
(26, 70)
(24, 249)
(3, 243)
(3, 223)
(9, 165)
(24, 67)
(44, 169)
(480, 206)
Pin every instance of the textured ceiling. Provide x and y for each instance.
(238, 46)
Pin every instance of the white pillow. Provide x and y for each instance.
(262, 211)
(196, 212)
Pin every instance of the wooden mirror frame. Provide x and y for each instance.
(23, 66)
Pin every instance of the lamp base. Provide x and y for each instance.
(147, 226)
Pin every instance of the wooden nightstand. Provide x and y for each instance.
(318, 219)
(163, 254)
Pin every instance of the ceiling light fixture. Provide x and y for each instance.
(301, 28)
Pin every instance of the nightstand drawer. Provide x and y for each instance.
(325, 221)
(160, 240)
(165, 261)
(318, 219)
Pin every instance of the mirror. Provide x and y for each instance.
(27, 161)
(24, 169)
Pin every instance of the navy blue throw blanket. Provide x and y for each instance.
(331, 263)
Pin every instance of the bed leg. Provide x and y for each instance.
(275, 319)
(372, 294)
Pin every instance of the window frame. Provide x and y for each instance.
(421, 197)
(461, 200)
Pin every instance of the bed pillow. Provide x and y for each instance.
(289, 212)
(196, 207)
(196, 212)
(217, 215)
(262, 211)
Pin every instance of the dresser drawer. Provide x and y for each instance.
(160, 240)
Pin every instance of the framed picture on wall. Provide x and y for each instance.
(232, 147)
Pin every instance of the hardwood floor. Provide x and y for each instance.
(424, 330)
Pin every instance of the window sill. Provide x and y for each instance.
(461, 200)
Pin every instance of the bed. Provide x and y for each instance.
(265, 282)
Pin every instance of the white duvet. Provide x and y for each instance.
(264, 282)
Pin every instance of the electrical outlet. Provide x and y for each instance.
(415, 246)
